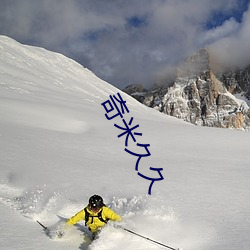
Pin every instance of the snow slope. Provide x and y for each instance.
(58, 148)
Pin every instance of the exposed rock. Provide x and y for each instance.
(199, 96)
(237, 81)
(137, 91)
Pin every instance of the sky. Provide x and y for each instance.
(132, 41)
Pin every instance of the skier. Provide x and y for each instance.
(95, 214)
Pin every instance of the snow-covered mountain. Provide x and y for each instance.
(57, 148)
(201, 95)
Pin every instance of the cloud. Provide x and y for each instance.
(126, 42)
(233, 49)
(228, 28)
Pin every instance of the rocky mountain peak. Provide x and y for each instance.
(200, 96)
(196, 64)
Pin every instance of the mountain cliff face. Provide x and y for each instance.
(237, 81)
(200, 96)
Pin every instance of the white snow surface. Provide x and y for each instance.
(57, 149)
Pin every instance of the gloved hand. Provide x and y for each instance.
(118, 226)
(62, 230)
(60, 234)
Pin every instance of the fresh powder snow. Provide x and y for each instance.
(58, 149)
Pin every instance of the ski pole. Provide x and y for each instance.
(45, 228)
(150, 239)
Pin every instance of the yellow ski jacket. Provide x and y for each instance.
(94, 223)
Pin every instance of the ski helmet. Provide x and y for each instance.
(96, 202)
